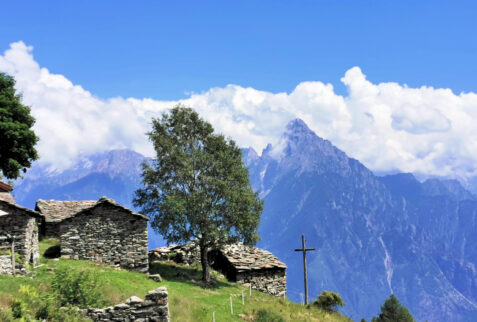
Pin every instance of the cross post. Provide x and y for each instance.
(304, 250)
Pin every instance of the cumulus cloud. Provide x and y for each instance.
(386, 126)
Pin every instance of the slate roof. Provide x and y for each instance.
(245, 258)
(56, 211)
(5, 204)
(104, 200)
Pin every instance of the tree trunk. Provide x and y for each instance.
(204, 262)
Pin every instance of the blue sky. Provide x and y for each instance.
(391, 83)
(164, 49)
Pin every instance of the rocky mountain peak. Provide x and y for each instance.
(301, 147)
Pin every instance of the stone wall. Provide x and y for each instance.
(154, 307)
(15, 221)
(273, 282)
(106, 234)
(182, 254)
(51, 229)
(5, 265)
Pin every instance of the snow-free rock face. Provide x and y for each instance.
(373, 236)
(113, 173)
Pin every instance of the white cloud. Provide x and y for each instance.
(386, 126)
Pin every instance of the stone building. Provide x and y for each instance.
(18, 226)
(108, 233)
(54, 212)
(245, 264)
(239, 263)
(5, 192)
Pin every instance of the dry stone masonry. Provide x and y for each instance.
(182, 254)
(106, 233)
(154, 307)
(54, 212)
(19, 225)
(239, 263)
(5, 193)
(250, 265)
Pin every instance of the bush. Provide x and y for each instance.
(6, 315)
(329, 301)
(30, 305)
(77, 287)
(268, 316)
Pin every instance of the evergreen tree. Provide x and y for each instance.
(17, 139)
(197, 186)
(393, 311)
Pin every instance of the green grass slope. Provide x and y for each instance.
(189, 298)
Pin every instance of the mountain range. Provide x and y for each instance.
(373, 235)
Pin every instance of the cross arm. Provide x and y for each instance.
(304, 250)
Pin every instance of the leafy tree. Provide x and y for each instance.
(197, 186)
(17, 145)
(329, 301)
(393, 311)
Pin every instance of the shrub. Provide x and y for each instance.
(6, 315)
(78, 287)
(30, 305)
(329, 301)
(268, 316)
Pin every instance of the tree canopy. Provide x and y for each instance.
(329, 301)
(393, 311)
(197, 186)
(17, 145)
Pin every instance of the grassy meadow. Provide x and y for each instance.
(189, 298)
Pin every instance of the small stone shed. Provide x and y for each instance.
(5, 193)
(19, 226)
(106, 232)
(245, 264)
(54, 212)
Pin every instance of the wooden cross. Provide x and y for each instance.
(304, 250)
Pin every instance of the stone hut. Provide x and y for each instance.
(5, 193)
(18, 226)
(245, 264)
(106, 232)
(54, 212)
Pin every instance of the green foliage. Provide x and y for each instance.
(18, 258)
(197, 187)
(17, 150)
(329, 301)
(31, 305)
(393, 311)
(264, 315)
(189, 299)
(79, 287)
(6, 315)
